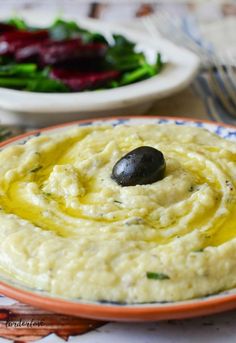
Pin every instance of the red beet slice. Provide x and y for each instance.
(69, 50)
(66, 54)
(11, 41)
(78, 81)
(7, 28)
(43, 49)
(29, 51)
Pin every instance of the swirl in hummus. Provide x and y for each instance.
(68, 228)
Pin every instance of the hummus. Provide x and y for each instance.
(68, 228)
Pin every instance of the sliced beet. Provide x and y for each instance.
(71, 54)
(29, 52)
(6, 28)
(11, 41)
(69, 50)
(78, 81)
(83, 64)
(39, 50)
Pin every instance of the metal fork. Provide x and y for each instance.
(222, 80)
(220, 69)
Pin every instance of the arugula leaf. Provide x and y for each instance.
(17, 83)
(5, 60)
(27, 76)
(45, 85)
(157, 276)
(61, 30)
(92, 37)
(18, 22)
(141, 73)
(124, 43)
(33, 84)
(122, 55)
(159, 63)
(18, 69)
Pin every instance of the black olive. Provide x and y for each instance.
(140, 166)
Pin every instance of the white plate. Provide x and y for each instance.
(42, 109)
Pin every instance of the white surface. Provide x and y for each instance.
(42, 109)
(219, 328)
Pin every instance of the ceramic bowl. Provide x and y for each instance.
(114, 311)
(42, 109)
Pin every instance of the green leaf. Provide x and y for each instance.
(121, 55)
(5, 60)
(159, 63)
(89, 37)
(18, 69)
(62, 29)
(157, 276)
(16, 83)
(113, 84)
(123, 61)
(121, 41)
(136, 75)
(18, 22)
(45, 85)
(36, 83)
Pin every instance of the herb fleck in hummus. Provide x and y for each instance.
(68, 228)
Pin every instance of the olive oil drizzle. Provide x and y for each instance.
(66, 221)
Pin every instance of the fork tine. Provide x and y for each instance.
(169, 26)
(213, 110)
(223, 72)
(231, 66)
(222, 81)
(217, 89)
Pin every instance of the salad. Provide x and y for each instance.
(65, 57)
